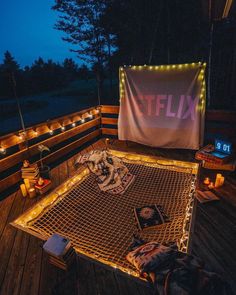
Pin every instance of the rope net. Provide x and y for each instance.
(101, 225)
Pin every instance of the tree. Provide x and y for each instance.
(81, 21)
(70, 69)
(8, 68)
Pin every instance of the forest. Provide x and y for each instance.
(105, 34)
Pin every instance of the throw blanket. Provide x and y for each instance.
(172, 272)
(112, 175)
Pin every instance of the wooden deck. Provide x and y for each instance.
(24, 268)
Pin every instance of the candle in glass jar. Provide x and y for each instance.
(206, 180)
(23, 190)
(211, 185)
(32, 192)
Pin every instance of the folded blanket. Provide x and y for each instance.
(112, 175)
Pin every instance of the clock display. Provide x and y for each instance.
(223, 146)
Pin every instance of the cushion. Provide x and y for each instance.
(150, 216)
(146, 257)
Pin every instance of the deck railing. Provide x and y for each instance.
(65, 134)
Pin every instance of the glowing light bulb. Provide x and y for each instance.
(35, 133)
(73, 124)
(62, 128)
(51, 132)
(82, 120)
(90, 115)
(2, 150)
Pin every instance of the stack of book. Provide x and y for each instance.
(61, 253)
(209, 154)
(31, 172)
(46, 186)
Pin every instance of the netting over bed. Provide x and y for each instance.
(101, 225)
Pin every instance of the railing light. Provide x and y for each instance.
(2, 150)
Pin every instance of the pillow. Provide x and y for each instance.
(147, 257)
(150, 216)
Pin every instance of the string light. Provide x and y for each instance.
(2, 150)
(90, 115)
(62, 128)
(51, 131)
(82, 120)
(35, 133)
(73, 124)
(21, 135)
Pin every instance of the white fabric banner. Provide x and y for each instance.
(162, 106)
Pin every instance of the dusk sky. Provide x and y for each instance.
(26, 30)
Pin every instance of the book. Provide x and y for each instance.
(150, 216)
(46, 186)
(214, 166)
(60, 251)
(31, 172)
(209, 154)
(205, 196)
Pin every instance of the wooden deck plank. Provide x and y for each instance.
(32, 269)
(5, 208)
(129, 286)
(107, 281)
(13, 275)
(48, 277)
(8, 235)
(86, 277)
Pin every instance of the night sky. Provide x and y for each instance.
(26, 30)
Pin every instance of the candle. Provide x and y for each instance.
(32, 192)
(206, 180)
(27, 183)
(218, 180)
(23, 190)
(222, 179)
(211, 185)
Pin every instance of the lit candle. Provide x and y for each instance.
(206, 180)
(23, 190)
(32, 192)
(222, 179)
(211, 185)
(218, 180)
(27, 183)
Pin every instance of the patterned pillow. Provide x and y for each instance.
(150, 216)
(147, 257)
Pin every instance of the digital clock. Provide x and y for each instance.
(223, 146)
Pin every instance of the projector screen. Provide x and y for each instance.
(163, 106)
